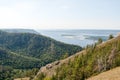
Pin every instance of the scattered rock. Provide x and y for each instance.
(49, 66)
(57, 62)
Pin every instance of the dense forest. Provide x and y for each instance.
(22, 52)
(95, 59)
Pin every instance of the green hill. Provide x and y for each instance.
(37, 46)
(20, 31)
(89, 62)
(29, 50)
(15, 60)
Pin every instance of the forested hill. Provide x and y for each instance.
(93, 60)
(24, 51)
(20, 31)
(38, 47)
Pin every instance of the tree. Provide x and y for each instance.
(41, 76)
(111, 36)
(65, 56)
(100, 40)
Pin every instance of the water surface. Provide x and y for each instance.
(79, 37)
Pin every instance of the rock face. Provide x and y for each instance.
(49, 66)
(113, 74)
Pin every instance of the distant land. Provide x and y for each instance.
(81, 37)
(20, 31)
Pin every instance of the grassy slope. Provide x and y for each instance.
(113, 74)
(98, 59)
(50, 72)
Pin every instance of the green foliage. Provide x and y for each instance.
(41, 76)
(98, 59)
(25, 50)
(100, 40)
(111, 36)
(10, 74)
(28, 51)
(65, 56)
(16, 61)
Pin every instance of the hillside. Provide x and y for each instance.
(113, 74)
(37, 46)
(89, 62)
(28, 51)
(20, 31)
(49, 69)
(15, 60)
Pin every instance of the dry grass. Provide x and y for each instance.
(27, 78)
(113, 74)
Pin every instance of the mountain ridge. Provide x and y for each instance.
(111, 46)
(23, 51)
(20, 31)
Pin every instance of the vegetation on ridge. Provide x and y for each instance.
(96, 59)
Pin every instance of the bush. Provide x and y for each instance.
(111, 36)
(100, 40)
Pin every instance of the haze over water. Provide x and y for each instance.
(79, 37)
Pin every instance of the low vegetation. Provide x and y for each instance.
(94, 60)
(111, 36)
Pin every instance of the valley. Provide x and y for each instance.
(21, 52)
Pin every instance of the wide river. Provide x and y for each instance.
(79, 37)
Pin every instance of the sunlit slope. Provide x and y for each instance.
(113, 74)
(89, 62)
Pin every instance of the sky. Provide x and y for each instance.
(60, 14)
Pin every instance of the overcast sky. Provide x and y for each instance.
(60, 14)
